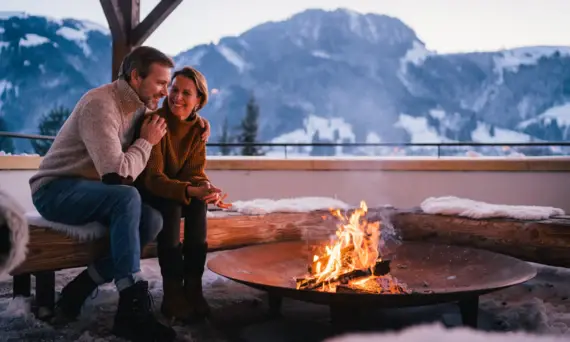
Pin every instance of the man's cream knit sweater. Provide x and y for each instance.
(97, 138)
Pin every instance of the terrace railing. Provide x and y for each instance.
(434, 149)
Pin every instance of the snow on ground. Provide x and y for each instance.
(32, 39)
(4, 153)
(512, 59)
(540, 306)
(559, 113)
(500, 135)
(419, 130)
(416, 55)
(450, 205)
(439, 333)
(76, 35)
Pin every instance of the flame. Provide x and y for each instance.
(356, 247)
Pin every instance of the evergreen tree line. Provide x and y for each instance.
(247, 132)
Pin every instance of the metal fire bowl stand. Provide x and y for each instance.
(436, 274)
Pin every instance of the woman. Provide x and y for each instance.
(174, 182)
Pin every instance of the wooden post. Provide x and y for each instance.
(126, 28)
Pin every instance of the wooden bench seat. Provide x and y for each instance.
(50, 250)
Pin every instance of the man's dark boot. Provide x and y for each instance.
(73, 295)
(194, 261)
(135, 321)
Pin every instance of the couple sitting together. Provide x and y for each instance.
(139, 173)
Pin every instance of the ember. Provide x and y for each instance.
(353, 262)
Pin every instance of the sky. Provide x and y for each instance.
(443, 25)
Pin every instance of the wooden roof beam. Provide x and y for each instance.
(127, 31)
(153, 20)
(114, 14)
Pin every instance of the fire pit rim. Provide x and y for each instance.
(434, 295)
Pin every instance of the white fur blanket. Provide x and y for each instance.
(86, 232)
(14, 234)
(450, 205)
(438, 333)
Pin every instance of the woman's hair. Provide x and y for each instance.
(199, 81)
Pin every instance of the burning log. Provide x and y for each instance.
(382, 267)
(377, 285)
(324, 259)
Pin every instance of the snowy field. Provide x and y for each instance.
(539, 307)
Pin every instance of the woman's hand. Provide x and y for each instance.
(213, 196)
(216, 197)
(206, 126)
(201, 191)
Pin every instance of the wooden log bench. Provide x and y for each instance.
(51, 250)
(545, 241)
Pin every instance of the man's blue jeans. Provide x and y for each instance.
(132, 225)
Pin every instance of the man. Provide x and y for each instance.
(83, 178)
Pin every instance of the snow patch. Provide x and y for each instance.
(325, 127)
(511, 60)
(32, 39)
(438, 332)
(17, 307)
(416, 55)
(451, 205)
(78, 36)
(327, 130)
(92, 26)
(5, 85)
(373, 138)
(2, 30)
(233, 57)
(299, 204)
(437, 114)
(483, 134)
(559, 113)
(321, 54)
(419, 129)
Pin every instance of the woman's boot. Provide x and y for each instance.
(194, 261)
(174, 302)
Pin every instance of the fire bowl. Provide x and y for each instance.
(435, 273)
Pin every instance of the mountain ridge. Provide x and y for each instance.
(366, 76)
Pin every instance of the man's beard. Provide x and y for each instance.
(150, 103)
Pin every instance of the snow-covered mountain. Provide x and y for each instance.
(45, 63)
(317, 76)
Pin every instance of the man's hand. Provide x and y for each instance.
(206, 126)
(153, 129)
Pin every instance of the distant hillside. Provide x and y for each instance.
(318, 76)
